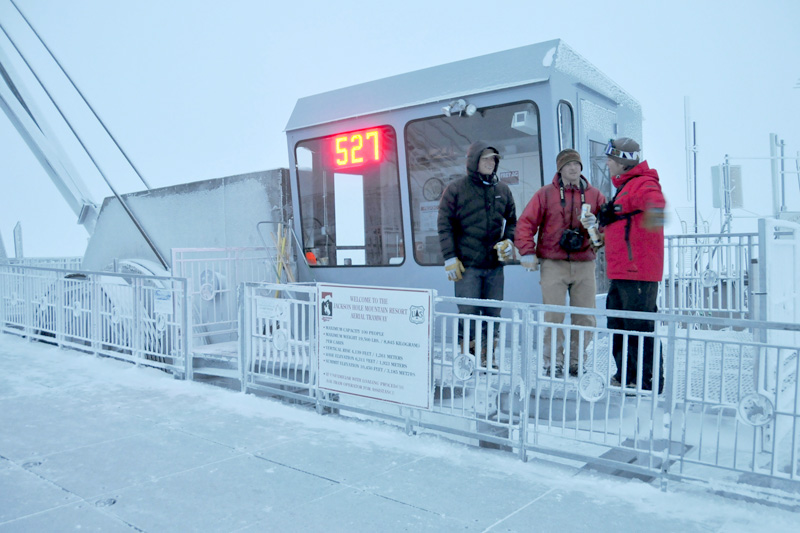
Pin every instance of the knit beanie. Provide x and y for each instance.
(624, 151)
(568, 156)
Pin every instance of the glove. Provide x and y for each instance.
(505, 250)
(529, 263)
(454, 269)
(588, 220)
(654, 219)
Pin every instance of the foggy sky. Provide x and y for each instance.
(194, 90)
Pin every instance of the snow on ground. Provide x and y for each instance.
(100, 445)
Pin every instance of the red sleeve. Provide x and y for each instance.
(528, 225)
(644, 194)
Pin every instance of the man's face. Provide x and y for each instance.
(615, 168)
(571, 173)
(486, 162)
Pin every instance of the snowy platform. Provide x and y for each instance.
(100, 445)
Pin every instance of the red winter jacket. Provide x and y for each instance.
(634, 252)
(545, 218)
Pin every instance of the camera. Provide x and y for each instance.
(571, 240)
(607, 214)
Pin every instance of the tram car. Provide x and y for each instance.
(368, 163)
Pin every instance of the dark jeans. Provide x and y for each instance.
(630, 295)
(483, 283)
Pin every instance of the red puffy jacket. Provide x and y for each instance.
(634, 252)
(545, 218)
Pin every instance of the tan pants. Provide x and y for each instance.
(559, 278)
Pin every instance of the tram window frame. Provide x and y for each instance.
(376, 224)
(522, 170)
(560, 117)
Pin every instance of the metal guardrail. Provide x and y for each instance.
(214, 275)
(141, 319)
(719, 417)
(729, 410)
(66, 263)
(709, 274)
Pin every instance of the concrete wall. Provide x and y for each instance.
(216, 213)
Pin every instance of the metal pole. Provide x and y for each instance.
(773, 142)
(694, 171)
(122, 202)
(783, 178)
(113, 139)
(724, 196)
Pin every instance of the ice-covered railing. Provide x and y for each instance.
(708, 274)
(66, 263)
(137, 318)
(726, 413)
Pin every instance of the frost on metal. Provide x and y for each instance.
(548, 57)
(574, 65)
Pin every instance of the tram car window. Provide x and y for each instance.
(566, 131)
(436, 149)
(350, 198)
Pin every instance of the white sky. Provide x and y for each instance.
(202, 89)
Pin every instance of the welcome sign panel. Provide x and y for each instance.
(375, 342)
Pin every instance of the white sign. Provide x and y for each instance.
(428, 214)
(375, 342)
(162, 303)
(271, 308)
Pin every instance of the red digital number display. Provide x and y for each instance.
(356, 148)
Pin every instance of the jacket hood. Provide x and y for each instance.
(642, 169)
(473, 155)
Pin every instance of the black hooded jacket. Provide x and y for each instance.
(471, 214)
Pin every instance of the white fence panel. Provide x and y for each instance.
(137, 318)
(708, 274)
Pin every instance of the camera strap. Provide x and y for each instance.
(564, 201)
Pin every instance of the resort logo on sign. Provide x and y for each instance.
(326, 308)
(416, 314)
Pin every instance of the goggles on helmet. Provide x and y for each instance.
(616, 152)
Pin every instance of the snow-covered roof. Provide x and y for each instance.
(525, 65)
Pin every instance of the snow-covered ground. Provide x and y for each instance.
(94, 444)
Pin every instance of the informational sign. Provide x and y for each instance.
(510, 177)
(375, 342)
(162, 302)
(271, 308)
(428, 213)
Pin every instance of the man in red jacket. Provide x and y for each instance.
(563, 249)
(633, 228)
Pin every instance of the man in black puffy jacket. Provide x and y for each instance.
(476, 222)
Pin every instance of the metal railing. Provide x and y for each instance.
(718, 416)
(141, 319)
(709, 274)
(66, 263)
(729, 409)
(214, 275)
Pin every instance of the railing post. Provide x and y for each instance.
(3, 302)
(59, 311)
(136, 335)
(27, 283)
(189, 334)
(669, 402)
(521, 316)
(95, 312)
(244, 300)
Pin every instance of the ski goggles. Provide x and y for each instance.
(616, 152)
